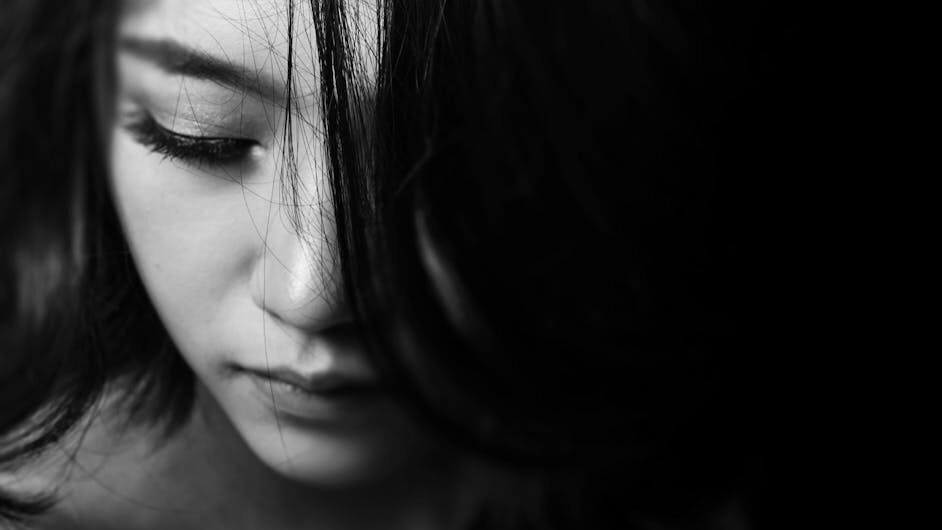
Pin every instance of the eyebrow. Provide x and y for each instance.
(176, 58)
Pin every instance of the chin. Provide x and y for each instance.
(326, 443)
(325, 459)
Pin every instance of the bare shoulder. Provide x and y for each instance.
(48, 475)
(98, 476)
(109, 475)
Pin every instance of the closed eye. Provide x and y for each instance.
(196, 150)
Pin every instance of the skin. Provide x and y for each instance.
(238, 285)
(232, 280)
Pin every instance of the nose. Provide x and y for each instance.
(296, 277)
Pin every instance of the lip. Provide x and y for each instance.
(322, 383)
(311, 399)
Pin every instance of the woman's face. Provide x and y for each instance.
(255, 307)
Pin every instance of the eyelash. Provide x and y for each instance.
(212, 151)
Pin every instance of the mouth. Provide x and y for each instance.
(312, 400)
(325, 384)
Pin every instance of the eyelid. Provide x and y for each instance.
(212, 150)
(185, 136)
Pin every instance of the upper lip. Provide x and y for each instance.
(317, 383)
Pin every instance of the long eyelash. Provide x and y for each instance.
(191, 149)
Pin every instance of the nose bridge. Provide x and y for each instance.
(297, 277)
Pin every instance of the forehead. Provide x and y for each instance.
(255, 35)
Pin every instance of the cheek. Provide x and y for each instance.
(190, 236)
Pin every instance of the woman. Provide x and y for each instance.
(465, 263)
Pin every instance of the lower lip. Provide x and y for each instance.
(297, 406)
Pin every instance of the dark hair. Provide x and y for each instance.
(556, 257)
(543, 231)
(73, 314)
